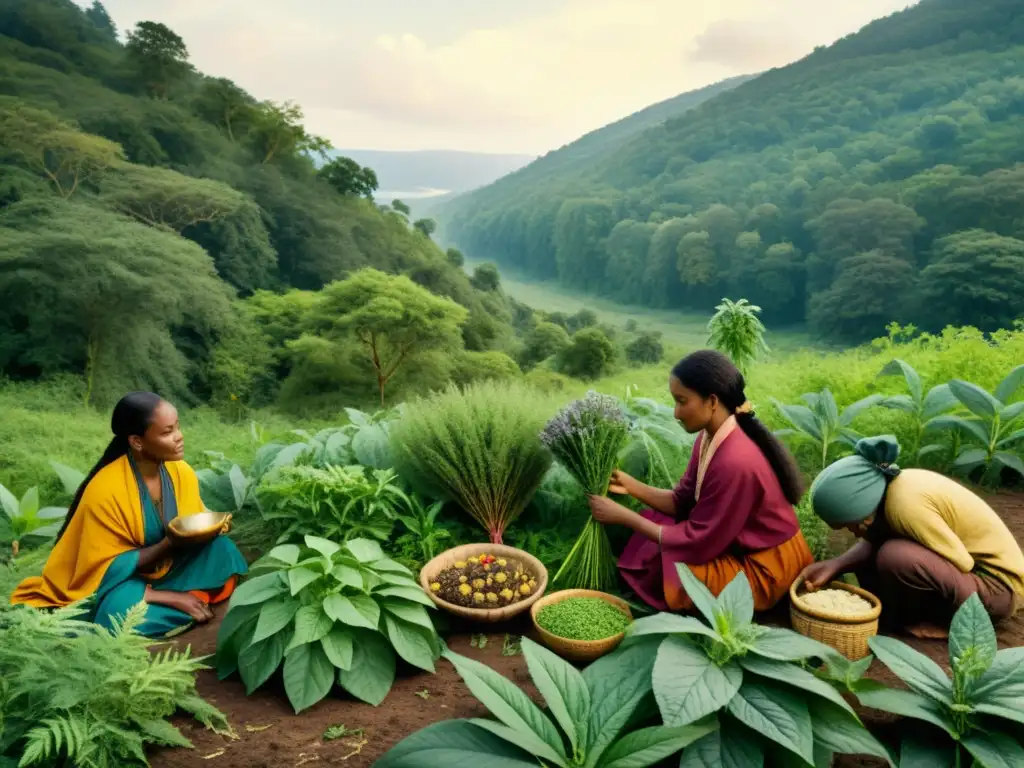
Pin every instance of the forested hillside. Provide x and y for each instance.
(163, 228)
(876, 180)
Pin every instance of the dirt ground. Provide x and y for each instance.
(269, 734)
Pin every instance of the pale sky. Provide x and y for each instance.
(488, 75)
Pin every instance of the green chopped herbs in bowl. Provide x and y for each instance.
(583, 618)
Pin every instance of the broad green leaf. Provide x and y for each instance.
(9, 504)
(1005, 675)
(308, 676)
(970, 459)
(972, 632)
(409, 642)
(343, 609)
(454, 744)
(737, 602)
(1010, 384)
(898, 367)
(259, 661)
(259, 589)
(1006, 707)
(1010, 461)
(907, 704)
(1011, 413)
(777, 714)
(387, 565)
(338, 647)
(373, 668)
(669, 624)
(801, 417)
(412, 613)
(325, 547)
(52, 513)
(903, 403)
(852, 411)
(30, 502)
(70, 478)
(839, 730)
(688, 685)
(234, 634)
(617, 683)
(701, 596)
(731, 746)
(275, 615)
(286, 553)
(299, 578)
(525, 739)
(994, 750)
(239, 485)
(348, 577)
(1011, 439)
(975, 399)
(950, 423)
(45, 532)
(791, 674)
(394, 579)
(311, 624)
(506, 701)
(649, 746)
(364, 550)
(563, 688)
(939, 400)
(786, 645)
(919, 672)
(406, 593)
(938, 751)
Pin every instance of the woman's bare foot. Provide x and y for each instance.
(928, 632)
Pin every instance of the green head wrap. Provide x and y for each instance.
(850, 490)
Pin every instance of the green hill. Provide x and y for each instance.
(164, 229)
(875, 180)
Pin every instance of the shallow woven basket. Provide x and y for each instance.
(578, 650)
(847, 633)
(487, 615)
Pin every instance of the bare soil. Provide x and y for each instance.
(270, 735)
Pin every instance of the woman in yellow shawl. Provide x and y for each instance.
(114, 546)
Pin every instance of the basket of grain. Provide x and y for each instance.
(841, 615)
(484, 582)
(581, 624)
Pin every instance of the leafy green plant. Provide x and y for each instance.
(975, 715)
(994, 422)
(422, 529)
(326, 612)
(479, 447)
(591, 710)
(75, 693)
(656, 449)
(225, 488)
(736, 331)
(24, 518)
(334, 502)
(766, 705)
(925, 408)
(820, 421)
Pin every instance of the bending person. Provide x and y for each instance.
(926, 542)
(114, 545)
(732, 511)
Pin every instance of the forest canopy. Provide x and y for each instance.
(877, 180)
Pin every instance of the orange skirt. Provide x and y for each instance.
(770, 573)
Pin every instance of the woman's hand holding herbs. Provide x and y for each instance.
(608, 512)
(620, 483)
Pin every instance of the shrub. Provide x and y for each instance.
(328, 612)
(482, 366)
(646, 349)
(821, 423)
(76, 693)
(479, 447)
(736, 331)
(588, 356)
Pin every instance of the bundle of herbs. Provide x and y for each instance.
(586, 437)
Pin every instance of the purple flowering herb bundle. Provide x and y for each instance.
(586, 437)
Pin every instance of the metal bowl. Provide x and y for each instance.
(200, 528)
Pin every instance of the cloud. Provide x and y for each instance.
(406, 74)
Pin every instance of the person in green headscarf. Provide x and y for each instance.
(926, 543)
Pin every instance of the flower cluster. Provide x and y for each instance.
(586, 437)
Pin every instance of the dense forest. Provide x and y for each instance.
(876, 180)
(165, 229)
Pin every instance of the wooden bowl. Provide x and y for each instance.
(485, 615)
(847, 633)
(199, 529)
(578, 650)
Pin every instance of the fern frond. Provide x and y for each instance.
(162, 732)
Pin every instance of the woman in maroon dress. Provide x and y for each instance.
(733, 510)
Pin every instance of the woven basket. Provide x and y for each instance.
(486, 615)
(847, 633)
(578, 650)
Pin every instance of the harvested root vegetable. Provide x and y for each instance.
(484, 581)
(837, 601)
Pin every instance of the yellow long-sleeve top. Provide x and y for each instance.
(950, 520)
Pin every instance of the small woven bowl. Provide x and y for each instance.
(199, 529)
(578, 650)
(847, 633)
(485, 615)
